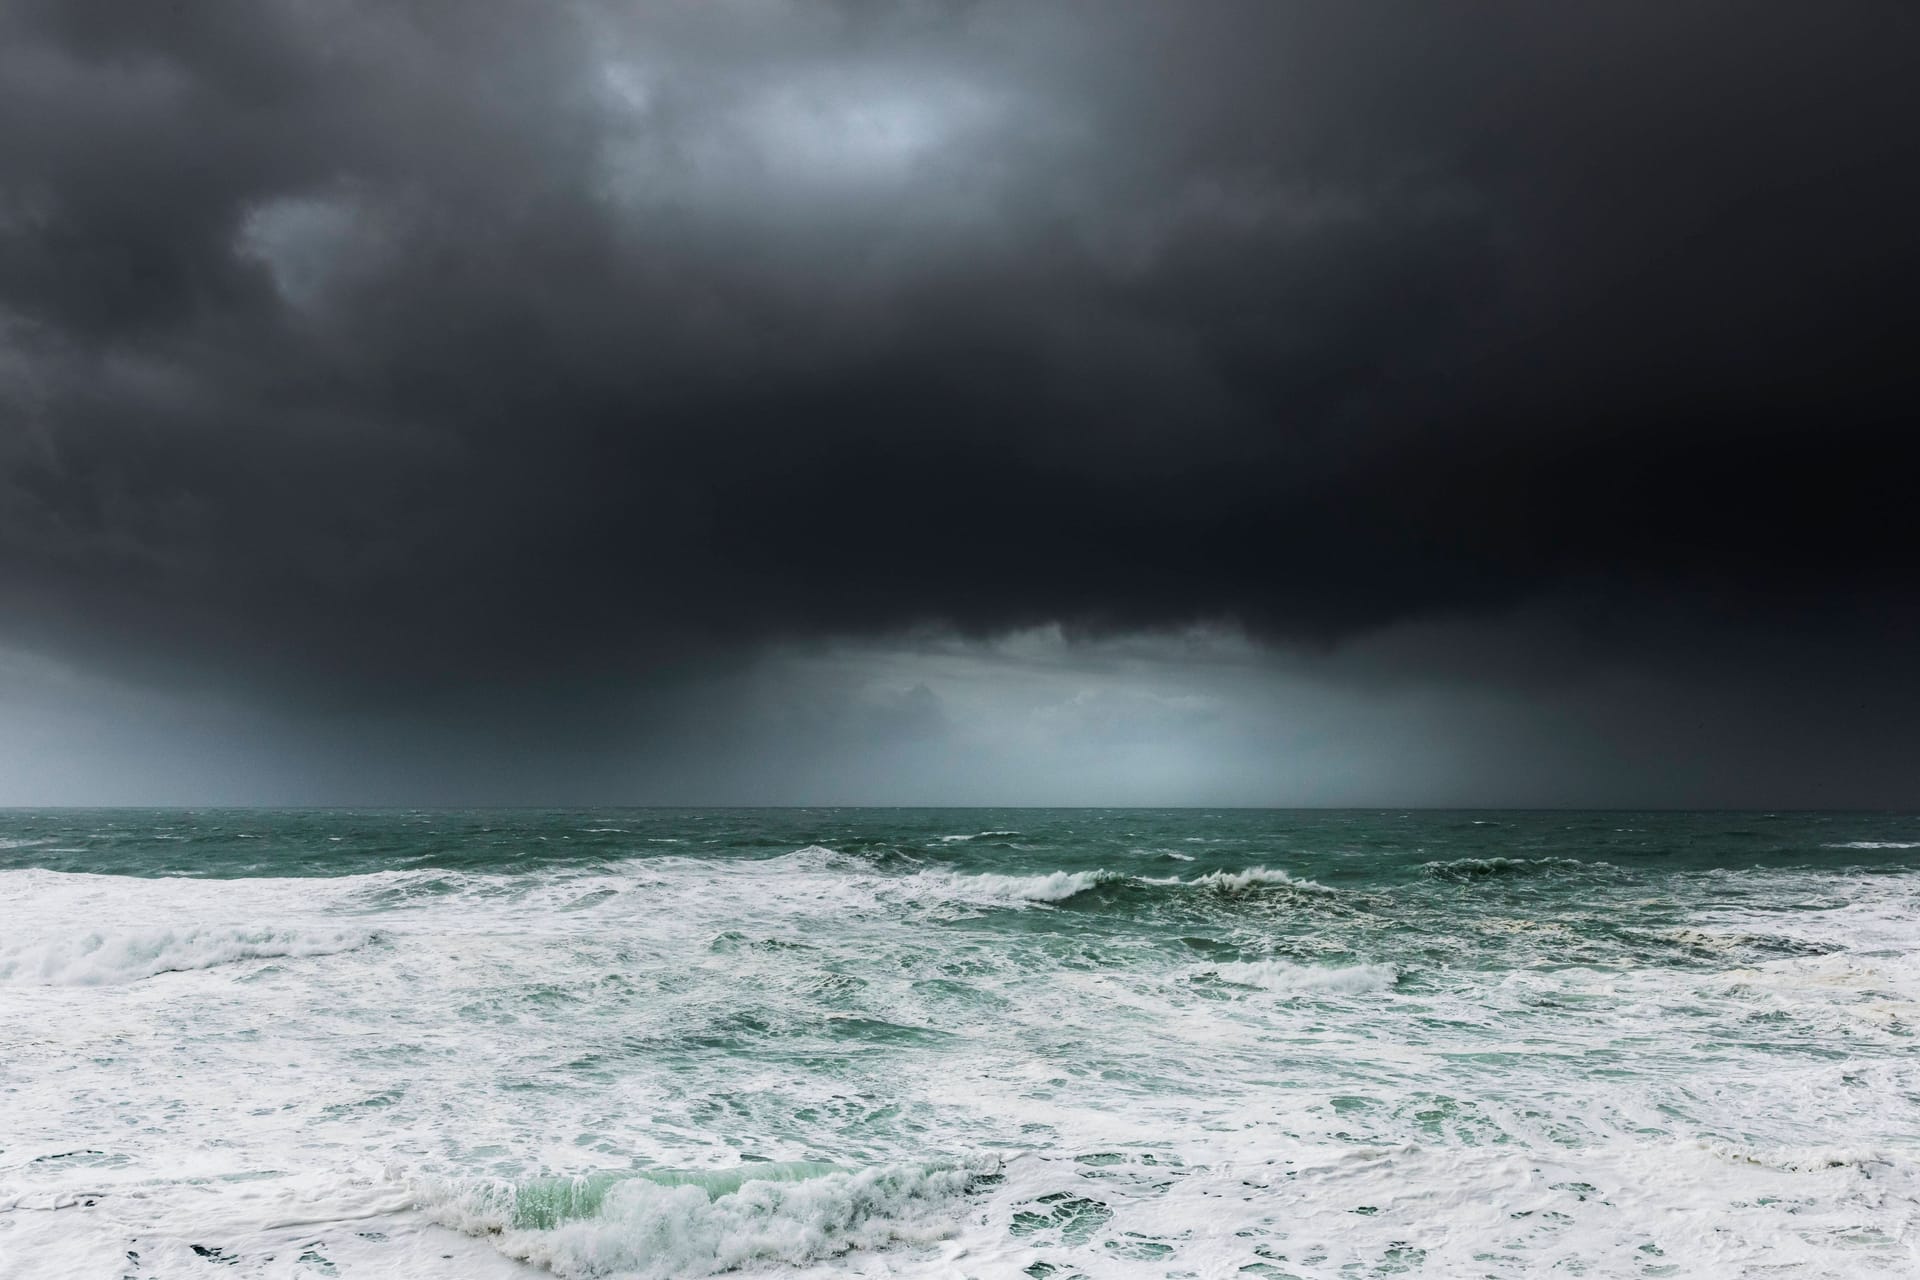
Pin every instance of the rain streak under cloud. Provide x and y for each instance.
(1219, 404)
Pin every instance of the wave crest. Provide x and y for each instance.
(103, 958)
(1254, 879)
(1058, 886)
(661, 1224)
(1054, 886)
(1307, 979)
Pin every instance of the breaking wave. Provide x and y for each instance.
(813, 857)
(1059, 886)
(101, 959)
(1307, 979)
(1056, 886)
(662, 1224)
(1875, 844)
(1252, 880)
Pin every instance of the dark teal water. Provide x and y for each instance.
(1350, 846)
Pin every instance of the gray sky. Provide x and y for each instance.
(1214, 403)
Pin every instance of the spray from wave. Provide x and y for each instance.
(1253, 880)
(105, 958)
(661, 1224)
(1303, 979)
(1056, 887)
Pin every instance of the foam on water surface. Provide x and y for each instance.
(843, 1044)
(656, 1224)
(1302, 979)
(94, 957)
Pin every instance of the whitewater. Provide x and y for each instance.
(965, 1043)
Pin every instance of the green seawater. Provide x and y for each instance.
(1419, 888)
(656, 1042)
(1355, 846)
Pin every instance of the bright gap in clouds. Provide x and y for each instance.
(1202, 717)
(1196, 717)
(806, 133)
(1199, 716)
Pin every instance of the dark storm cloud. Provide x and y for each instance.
(372, 349)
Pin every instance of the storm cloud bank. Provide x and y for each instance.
(516, 356)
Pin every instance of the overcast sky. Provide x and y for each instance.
(986, 401)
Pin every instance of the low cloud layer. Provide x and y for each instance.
(560, 371)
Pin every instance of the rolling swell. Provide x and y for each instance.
(1467, 870)
(1088, 888)
(105, 958)
(1233, 884)
(1305, 979)
(1150, 1038)
(1047, 887)
(661, 1224)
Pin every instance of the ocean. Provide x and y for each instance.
(958, 1043)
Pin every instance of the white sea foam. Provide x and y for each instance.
(993, 889)
(1059, 886)
(1254, 878)
(813, 856)
(1056, 886)
(1473, 1113)
(1874, 844)
(97, 958)
(1306, 979)
(637, 1227)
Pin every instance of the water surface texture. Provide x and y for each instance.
(917, 1043)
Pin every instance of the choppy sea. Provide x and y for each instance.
(958, 1043)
